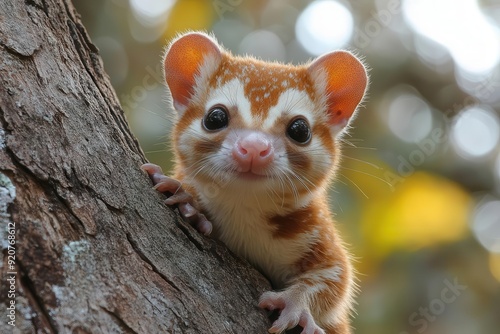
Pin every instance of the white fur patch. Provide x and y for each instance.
(328, 274)
(232, 94)
(335, 314)
(208, 67)
(294, 102)
(186, 138)
(241, 222)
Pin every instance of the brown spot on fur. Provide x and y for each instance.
(299, 161)
(318, 254)
(292, 224)
(323, 132)
(192, 114)
(207, 145)
(327, 250)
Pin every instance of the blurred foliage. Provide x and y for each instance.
(417, 195)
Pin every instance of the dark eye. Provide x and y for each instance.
(216, 119)
(299, 131)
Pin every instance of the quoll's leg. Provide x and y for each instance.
(177, 196)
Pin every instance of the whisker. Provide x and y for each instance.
(162, 115)
(365, 173)
(165, 143)
(337, 204)
(345, 141)
(354, 183)
(282, 184)
(362, 148)
(293, 188)
(362, 161)
(353, 139)
(157, 151)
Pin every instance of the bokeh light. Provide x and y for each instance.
(409, 117)
(144, 33)
(147, 23)
(416, 215)
(497, 169)
(495, 265)
(476, 132)
(150, 11)
(431, 52)
(231, 32)
(189, 15)
(461, 27)
(485, 88)
(324, 26)
(486, 225)
(263, 44)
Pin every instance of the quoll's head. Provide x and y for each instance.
(245, 122)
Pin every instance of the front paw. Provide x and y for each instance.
(177, 196)
(293, 312)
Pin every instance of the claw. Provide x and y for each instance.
(187, 210)
(178, 196)
(270, 300)
(203, 225)
(293, 313)
(152, 169)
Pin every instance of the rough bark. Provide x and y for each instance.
(96, 249)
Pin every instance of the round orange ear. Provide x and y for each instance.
(345, 83)
(183, 61)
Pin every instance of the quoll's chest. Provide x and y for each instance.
(249, 233)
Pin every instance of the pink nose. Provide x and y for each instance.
(253, 152)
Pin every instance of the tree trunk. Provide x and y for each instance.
(88, 246)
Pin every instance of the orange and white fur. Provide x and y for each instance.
(256, 145)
